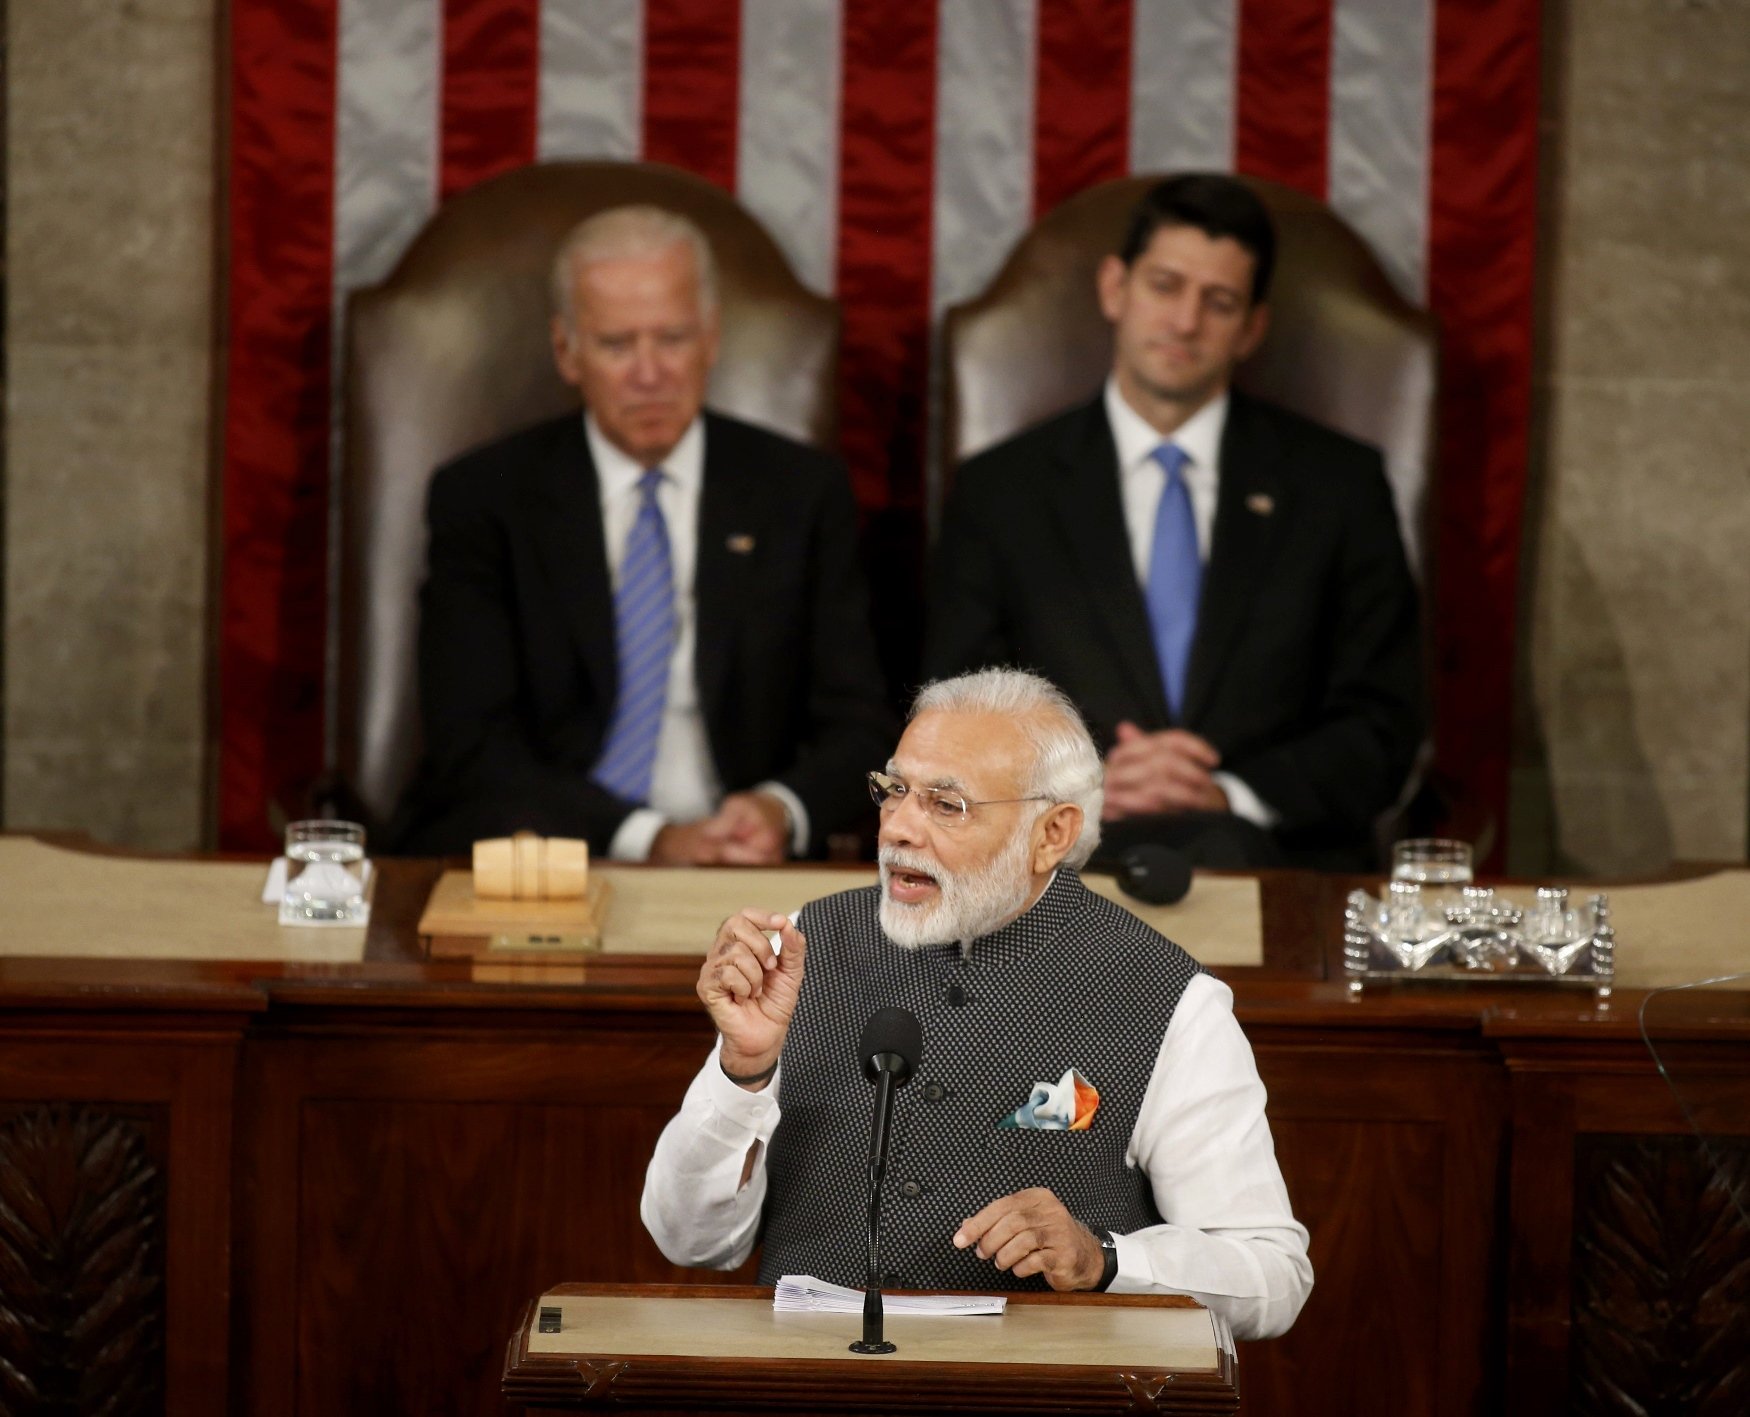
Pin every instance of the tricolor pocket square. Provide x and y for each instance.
(1067, 1105)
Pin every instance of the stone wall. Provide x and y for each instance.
(1633, 727)
(1632, 730)
(109, 340)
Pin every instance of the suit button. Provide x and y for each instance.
(934, 1092)
(911, 1190)
(958, 997)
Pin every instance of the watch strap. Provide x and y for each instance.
(1109, 1254)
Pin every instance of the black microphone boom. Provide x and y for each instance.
(892, 1043)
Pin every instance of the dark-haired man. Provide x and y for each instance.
(1218, 583)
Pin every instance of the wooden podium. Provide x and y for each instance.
(722, 1348)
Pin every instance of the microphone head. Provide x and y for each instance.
(893, 1041)
(1154, 874)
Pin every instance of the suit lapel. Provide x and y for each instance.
(732, 504)
(1090, 511)
(567, 527)
(1251, 507)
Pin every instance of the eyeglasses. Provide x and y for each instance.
(945, 808)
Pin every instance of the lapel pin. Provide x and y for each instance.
(741, 543)
(1262, 503)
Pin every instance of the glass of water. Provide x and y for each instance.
(1439, 865)
(325, 878)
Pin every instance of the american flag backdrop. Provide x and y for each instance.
(896, 149)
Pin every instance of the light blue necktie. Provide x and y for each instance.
(644, 632)
(1175, 577)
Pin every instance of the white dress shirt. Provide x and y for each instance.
(684, 785)
(1141, 480)
(1229, 1239)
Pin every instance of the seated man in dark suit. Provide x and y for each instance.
(644, 624)
(1218, 583)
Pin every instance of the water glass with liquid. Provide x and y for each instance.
(325, 876)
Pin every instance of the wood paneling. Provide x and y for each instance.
(115, 1180)
(417, 1154)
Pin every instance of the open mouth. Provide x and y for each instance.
(908, 886)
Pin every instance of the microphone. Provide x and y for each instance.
(892, 1043)
(1154, 874)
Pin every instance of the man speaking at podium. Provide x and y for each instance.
(1086, 1113)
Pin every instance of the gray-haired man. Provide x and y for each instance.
(645, 624)
(1087, 1113)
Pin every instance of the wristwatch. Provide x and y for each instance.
(1108, 1253)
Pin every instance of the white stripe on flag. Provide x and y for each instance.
(986, 69)
(386, 133)
(787, 133)
(1381, 73)
(389, 58)
(592, 79)
(985, 73)
(1184, 59)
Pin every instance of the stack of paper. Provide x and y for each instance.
(804, 1294)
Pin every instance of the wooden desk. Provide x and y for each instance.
(294, 1142)
(683, 1349)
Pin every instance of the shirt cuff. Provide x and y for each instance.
(755, 1113)
(1133, 1271)
(1245, 803)
(798, 815)
(636, 835)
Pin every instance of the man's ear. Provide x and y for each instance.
(564, 351)
(1257, 326)
(1054, 834)
(1109, 282)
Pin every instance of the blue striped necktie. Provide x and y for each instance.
(644, 634)
(1175, 577)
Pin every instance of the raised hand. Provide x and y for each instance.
(750, 989)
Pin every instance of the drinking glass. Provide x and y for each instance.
(1439, 865)
(325, 882)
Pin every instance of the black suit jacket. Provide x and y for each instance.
(1305, 670)
(517, 665)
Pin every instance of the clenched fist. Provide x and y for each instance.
(750, 989)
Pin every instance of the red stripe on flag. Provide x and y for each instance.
(1081, 97)
(1482, 237)
(1283, 92)
(886, 178)
(274, 483)
(692, 71)
(491, 89)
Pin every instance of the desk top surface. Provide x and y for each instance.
(1299, 981)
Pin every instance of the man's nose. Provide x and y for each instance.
(1185, 312)
(646, 362)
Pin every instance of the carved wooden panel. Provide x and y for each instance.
(1661, 1265)
(82, 1216)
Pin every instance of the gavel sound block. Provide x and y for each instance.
(529, 899)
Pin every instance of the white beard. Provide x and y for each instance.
(968, 905)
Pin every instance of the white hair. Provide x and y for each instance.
(628, 233)
(1066, 764)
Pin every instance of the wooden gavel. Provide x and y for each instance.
(531, 867)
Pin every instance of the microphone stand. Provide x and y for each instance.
(873, 1315)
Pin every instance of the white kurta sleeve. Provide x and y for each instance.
(694, 1204)
(1230, 1239)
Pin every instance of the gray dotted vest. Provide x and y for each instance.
(1075, 982)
